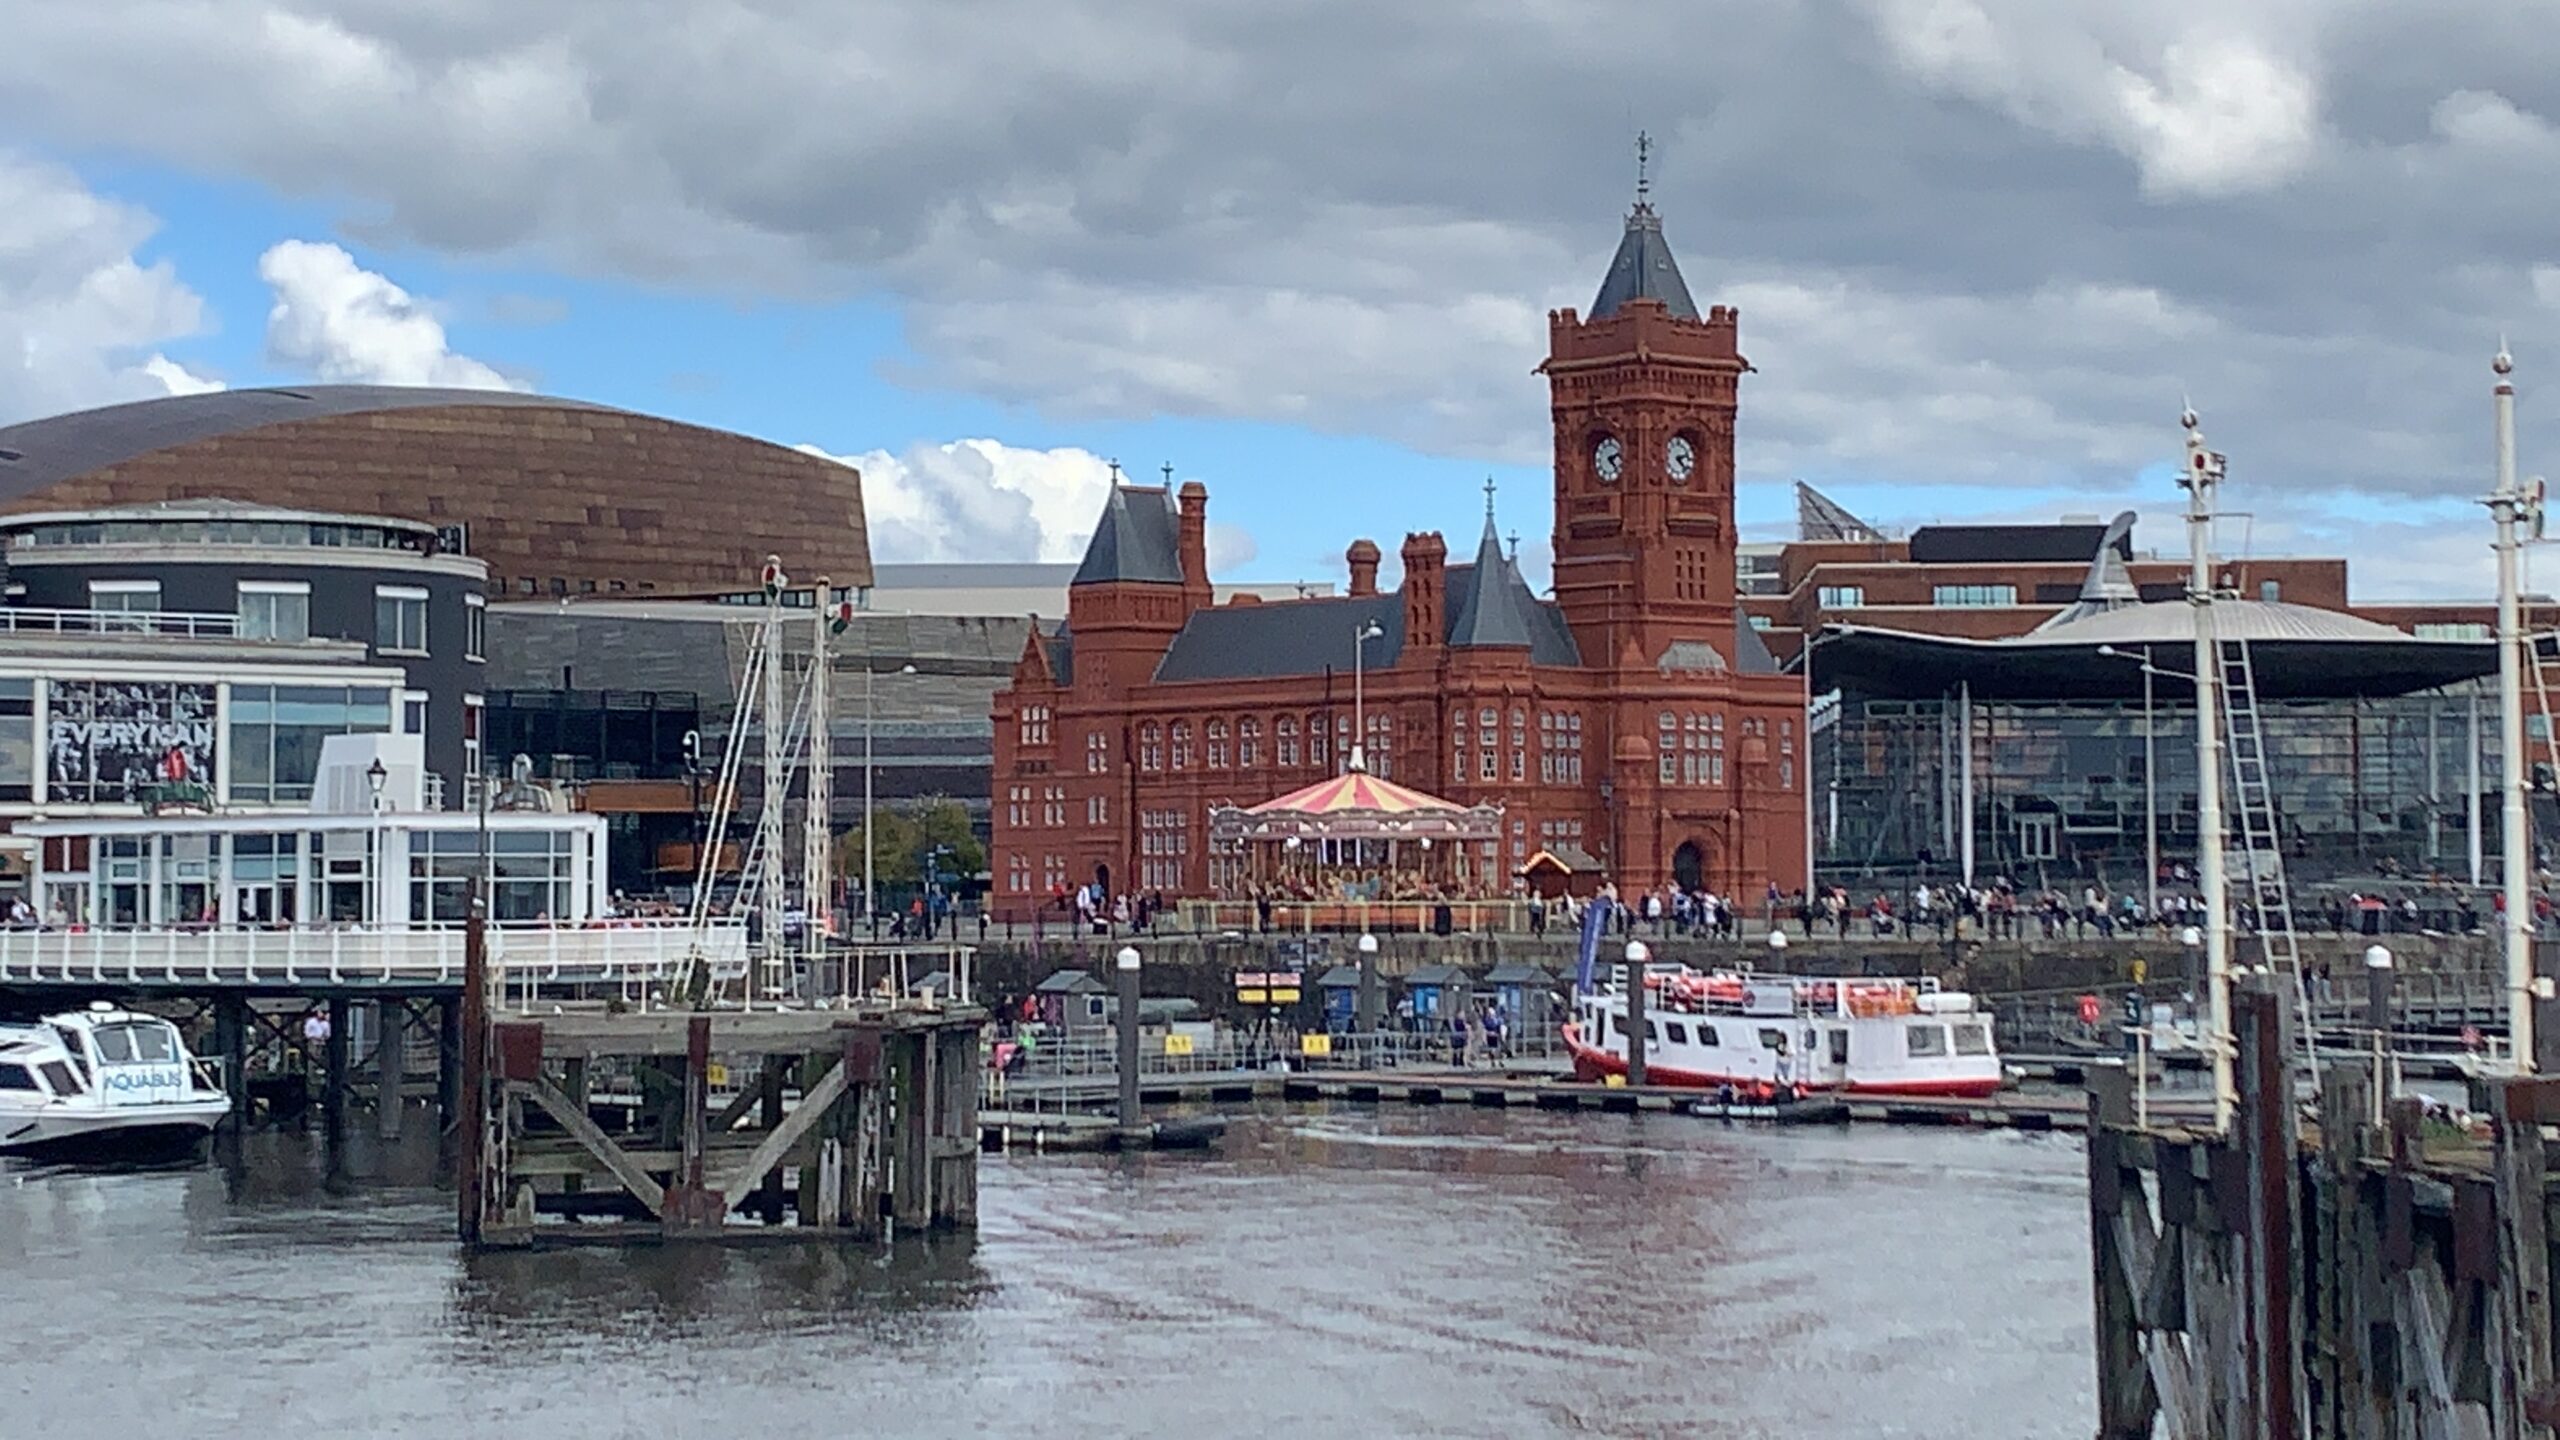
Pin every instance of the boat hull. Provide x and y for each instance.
(1596, 1066)
(61, 1133)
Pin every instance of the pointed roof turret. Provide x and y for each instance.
(1497, 608)
(1643, 268)
(1136, 540)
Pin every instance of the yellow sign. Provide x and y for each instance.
(1177, 1044)
(1284, 997)
(718, 1074)
(1315, 1044)
(2139, 970)
(1253, 997)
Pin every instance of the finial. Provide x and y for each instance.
(1115, 472)
(1515, 545)
(1488, 500)
(2503, 364)
(1168, 474)
(1644, 153)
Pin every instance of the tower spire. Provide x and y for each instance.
(1644, 181)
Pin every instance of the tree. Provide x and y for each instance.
(906, 836)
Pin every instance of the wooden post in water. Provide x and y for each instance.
(2264, 1131)
(231, 1042)
(2524, 1255)
(470, 1035)
(333, 1076)
(2127, 1400)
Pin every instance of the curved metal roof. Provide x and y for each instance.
(2173, 622)
(38, 454)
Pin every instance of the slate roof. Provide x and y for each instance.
(1498, 608)
(1137, 539)
(1304, 637)
(1751, 653)
(1643, 270)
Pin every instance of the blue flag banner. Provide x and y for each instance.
(1595, 923)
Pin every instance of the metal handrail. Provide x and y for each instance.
(44, 620)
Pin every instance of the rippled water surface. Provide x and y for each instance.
(1344, 1272)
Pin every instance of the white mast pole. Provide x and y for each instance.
(815, 854)
(2204, 475)
(777, 784)
(2515, 842)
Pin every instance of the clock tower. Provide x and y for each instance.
(1642, 391)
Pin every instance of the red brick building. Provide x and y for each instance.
(1634, 715)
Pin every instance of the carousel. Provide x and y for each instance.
(1359, 839)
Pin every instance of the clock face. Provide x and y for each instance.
(1682, 458)
(1608, 458)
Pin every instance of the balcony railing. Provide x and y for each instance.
(629, 954)
(37, 620)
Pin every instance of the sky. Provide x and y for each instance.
(1984, 251)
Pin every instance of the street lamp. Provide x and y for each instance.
(1366, 1001)
(1637, 954)
(869, 849)
(375, 776)
(2150, 777)
(1777, 941)
(1127, 964)
(1361, 635)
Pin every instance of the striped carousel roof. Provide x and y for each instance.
(1356, 791)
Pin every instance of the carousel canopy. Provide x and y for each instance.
(1357, 805)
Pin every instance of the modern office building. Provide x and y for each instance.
(256, 573)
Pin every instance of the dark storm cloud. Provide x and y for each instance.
(1983, 241)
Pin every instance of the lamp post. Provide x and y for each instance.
(2513, 509)
(375, 776)
(2150, 769)
(1637, 954)
(1126, 963)
(1777, 943)
(2377, 1015)
(1361, 635)
(870, 850)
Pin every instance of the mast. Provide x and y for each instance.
(2203, 477)
(777, 786)
(816, 889)
(2508, 504)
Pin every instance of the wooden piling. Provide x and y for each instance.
(391, 1022)
(333, 1070)
(472, 1041)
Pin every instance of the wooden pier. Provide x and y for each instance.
(2356, 1279)
(858, 1122)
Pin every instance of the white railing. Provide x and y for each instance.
(39, 620)
(630, 954)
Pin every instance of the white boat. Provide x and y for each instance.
(102, 1082)
(1761, 1034)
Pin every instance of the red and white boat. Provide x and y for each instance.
(1757, 1033)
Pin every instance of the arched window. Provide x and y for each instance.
(1284, 737)
(1217, 735)
(1319, 747)
(1182, 756)
(1150, 746)
(1248, 743)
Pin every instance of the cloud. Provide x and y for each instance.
(340, 322)
(81, 319)
(1988, 241)
(979, 500)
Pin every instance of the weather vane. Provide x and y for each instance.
(1644, 152)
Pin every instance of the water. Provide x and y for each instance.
(1384, 1271)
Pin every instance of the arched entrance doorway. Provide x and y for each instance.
(1689, 866)
(1102, 879)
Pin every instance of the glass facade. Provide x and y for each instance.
(276, 732)
(227, 531)
(2359, 785)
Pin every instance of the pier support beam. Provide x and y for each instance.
(231, 1042)
(390, 1063)
(449, 1062)
(333, 1070)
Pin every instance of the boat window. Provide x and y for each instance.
(59, 1076)
(71, 1041)
(16, 1077)
(1972, 1040)
(1678, 1032)
(1652, 1032)
(1774, 1040)
(1706, 1033)
(113, 1042)
(1927, 1040)
(153, 1042)
(1618, 1026)
(1839, 1047)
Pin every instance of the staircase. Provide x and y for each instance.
(2255, 832)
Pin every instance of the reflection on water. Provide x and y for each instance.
(1387, 1272)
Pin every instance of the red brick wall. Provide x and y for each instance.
(572, 494)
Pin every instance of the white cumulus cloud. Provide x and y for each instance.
(80, 317)
(979, 500)
(341, 322)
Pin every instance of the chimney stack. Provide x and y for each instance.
(1363, 557)
(1195, 544)
(1425, 557)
